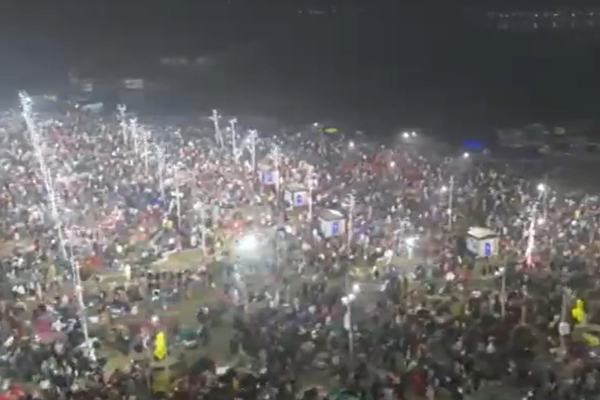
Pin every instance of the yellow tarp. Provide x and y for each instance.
(590, 340)
(160, 346)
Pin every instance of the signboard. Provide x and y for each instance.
(335, 228)
(267, 177)
(87, 86)
(94, 108)
(473, 145)
(487, 249)
(133, 84)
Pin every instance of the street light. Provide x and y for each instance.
(531, 231)
(410, 245)
(347, 301)
(543, 190)
(405, 135)
(450, 202)
(466, 155)
(413, 134)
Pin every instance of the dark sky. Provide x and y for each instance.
(408, 60)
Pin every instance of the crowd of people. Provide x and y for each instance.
(393, 306)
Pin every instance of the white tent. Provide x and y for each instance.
(482, 242)
(296, 195)
(267, 175)
(332, 222)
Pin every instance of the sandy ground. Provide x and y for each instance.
(185, 313)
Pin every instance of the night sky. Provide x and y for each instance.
(393, 64)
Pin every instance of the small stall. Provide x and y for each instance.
(332, 223)
(482, 242)
(296, 195)
(267, 174)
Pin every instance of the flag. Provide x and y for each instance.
(160, 346)
(578, 312)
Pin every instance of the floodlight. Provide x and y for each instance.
(413, 134)
(541, 187)
(348, 299)
(248, 243)
(466, 155)
(405, 135)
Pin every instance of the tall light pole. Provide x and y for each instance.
(133, 127)
(253, 135)
(503, 292)
(450, 203)
(543, 191)
(276, 163)
(79, 294)
(160, 158)
(347, 300)
(145, 138)
(531, 237)
(38, 150)
(232, 124)
(178, 194)
(312, 182)
(351, 205)
(123, 121)
(201, 207)
(215, 117)
(564, 328)
(53, 200)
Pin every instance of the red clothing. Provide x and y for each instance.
(418, 383)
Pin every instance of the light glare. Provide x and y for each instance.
(248, 243)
